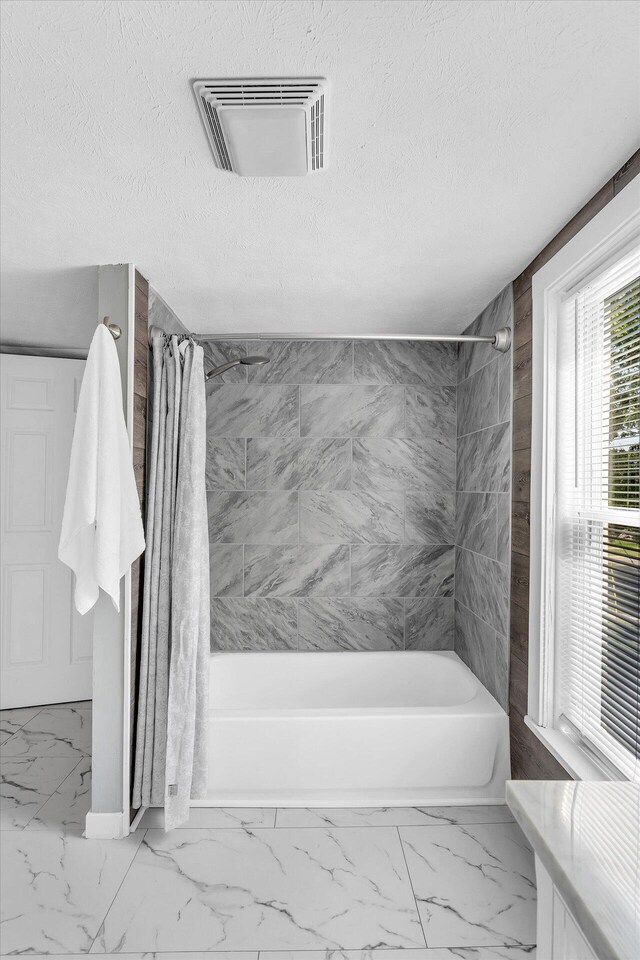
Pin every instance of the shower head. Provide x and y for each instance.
(249, 361)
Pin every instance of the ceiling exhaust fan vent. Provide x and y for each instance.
(265, 127)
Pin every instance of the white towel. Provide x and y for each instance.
(102, 531)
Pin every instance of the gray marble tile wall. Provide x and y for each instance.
(483, 501)
(331, 477)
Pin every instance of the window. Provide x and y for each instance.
(597, 543)
(584, 696)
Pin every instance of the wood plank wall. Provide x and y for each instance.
(529, 758)
(140, 381)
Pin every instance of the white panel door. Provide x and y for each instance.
(45, 645)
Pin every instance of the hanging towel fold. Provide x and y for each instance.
(102, 531)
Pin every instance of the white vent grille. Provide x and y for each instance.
(265, 127)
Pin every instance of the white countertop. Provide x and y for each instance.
(587, 835)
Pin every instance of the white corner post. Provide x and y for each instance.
(110, 787)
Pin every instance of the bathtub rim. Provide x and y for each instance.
(481, 703)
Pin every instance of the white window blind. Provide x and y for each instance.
(596, 696)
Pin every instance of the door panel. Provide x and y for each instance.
(45, 645)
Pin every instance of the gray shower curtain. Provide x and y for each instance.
(171, 746)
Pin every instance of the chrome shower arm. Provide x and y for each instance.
(222, 369)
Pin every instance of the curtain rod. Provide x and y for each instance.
(501, 339)
(45, 350)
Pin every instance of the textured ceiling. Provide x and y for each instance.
(463, 135)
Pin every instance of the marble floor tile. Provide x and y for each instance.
(390, 816)
(463, 953)
(56, 889)
(264, 889)
(12, 720)
(54, 732)
(217, 817)
(410, 954)
(179, 955)
(474, 885)
(26, 784)
(66, 810)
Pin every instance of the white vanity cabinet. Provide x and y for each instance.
(559, 936)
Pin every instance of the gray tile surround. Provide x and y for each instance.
(483, 476)
(350, 517)
(429, 623)
(250, 410)
(430, 516)
(302, 361)
(402, 570)
(478, 401)
(341, 475)
(404, 361)
(296, 571)
(351, 624)
(484, 459)
(226, 566)
(353, 411)
(253, 623)
(299, 464)
(331, 494)
(253, 517)
(399, 464)
(226, 463)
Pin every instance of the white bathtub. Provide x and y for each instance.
(352, 729)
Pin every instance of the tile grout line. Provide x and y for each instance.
(57, 789)
(474, 614)
(415, 899)
(356, 950)
(21, 727)
(353, 826)
(476, 553)
(126, 874)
